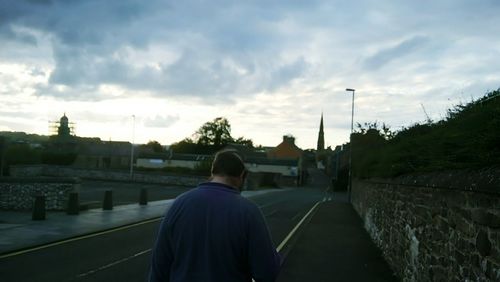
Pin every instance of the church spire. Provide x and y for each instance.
(321, 136)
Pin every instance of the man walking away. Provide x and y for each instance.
(212, 233)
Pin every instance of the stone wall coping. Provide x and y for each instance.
(481, 181)
(16, 180)
(112, 170)
(420, 185)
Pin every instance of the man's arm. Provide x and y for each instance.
(162, 256)
(262, 256)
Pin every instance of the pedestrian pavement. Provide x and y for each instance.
(19, 232)
(334, 246)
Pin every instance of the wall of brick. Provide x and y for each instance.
(435, 227)
(19, 194)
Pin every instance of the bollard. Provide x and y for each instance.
(73, 204)
(143, 197)
(108, 200)
(39, 208)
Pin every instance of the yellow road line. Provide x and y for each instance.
(283, 243)
(80, 238)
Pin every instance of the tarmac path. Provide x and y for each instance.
(124, 254)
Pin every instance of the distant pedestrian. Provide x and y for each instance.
(328, 193)
(212, 233)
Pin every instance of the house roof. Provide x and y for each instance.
(245, 151)
(286, 149)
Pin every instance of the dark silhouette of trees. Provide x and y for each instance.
(153, 146)
(17, 154)
(467, 138)
(243, 141)
(186, 146)
(209, 138)
(215, 133)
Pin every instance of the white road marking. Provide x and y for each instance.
(283, 243)
(113, 263)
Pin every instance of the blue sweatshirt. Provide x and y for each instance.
(212, 233)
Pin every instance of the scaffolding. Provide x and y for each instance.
(55, 125)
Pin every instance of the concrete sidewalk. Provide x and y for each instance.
(18, 231)
(334, 246)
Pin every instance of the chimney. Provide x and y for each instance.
(289, 139)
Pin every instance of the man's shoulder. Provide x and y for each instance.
(249, 205)
(209, 189)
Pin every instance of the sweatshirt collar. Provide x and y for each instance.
(219, 186)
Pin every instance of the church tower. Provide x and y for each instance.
(64, 129)
(321, 136)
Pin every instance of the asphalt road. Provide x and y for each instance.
(124, 255)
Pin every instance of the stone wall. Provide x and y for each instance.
(256, 179)
(102, 174)
(435, 227)
(19, 193)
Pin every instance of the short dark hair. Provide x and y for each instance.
(228, 163)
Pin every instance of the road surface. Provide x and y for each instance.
(124, 255)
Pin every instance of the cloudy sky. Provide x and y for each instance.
(270, 67)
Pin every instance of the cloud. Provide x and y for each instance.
(385, 56)
(84, 93)
(161, 121)
(37, 71)
(216, 57)
(10, 33)
(300, 56)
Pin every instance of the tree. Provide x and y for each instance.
(155, 146)
(375, 129)
(216, 133)
(243, 141)
(185, 146)
(21, 153)
(210, 138)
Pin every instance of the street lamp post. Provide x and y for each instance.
(350, 145)
(132, 148)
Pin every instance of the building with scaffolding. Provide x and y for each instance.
(62, 128)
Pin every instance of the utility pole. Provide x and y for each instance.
(132, 148)
(350, 146)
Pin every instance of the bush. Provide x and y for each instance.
(58, 158)
(468, 137)
(16, 154)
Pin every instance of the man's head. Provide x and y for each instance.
(228, 165)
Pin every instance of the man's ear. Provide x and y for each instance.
(244, 174)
